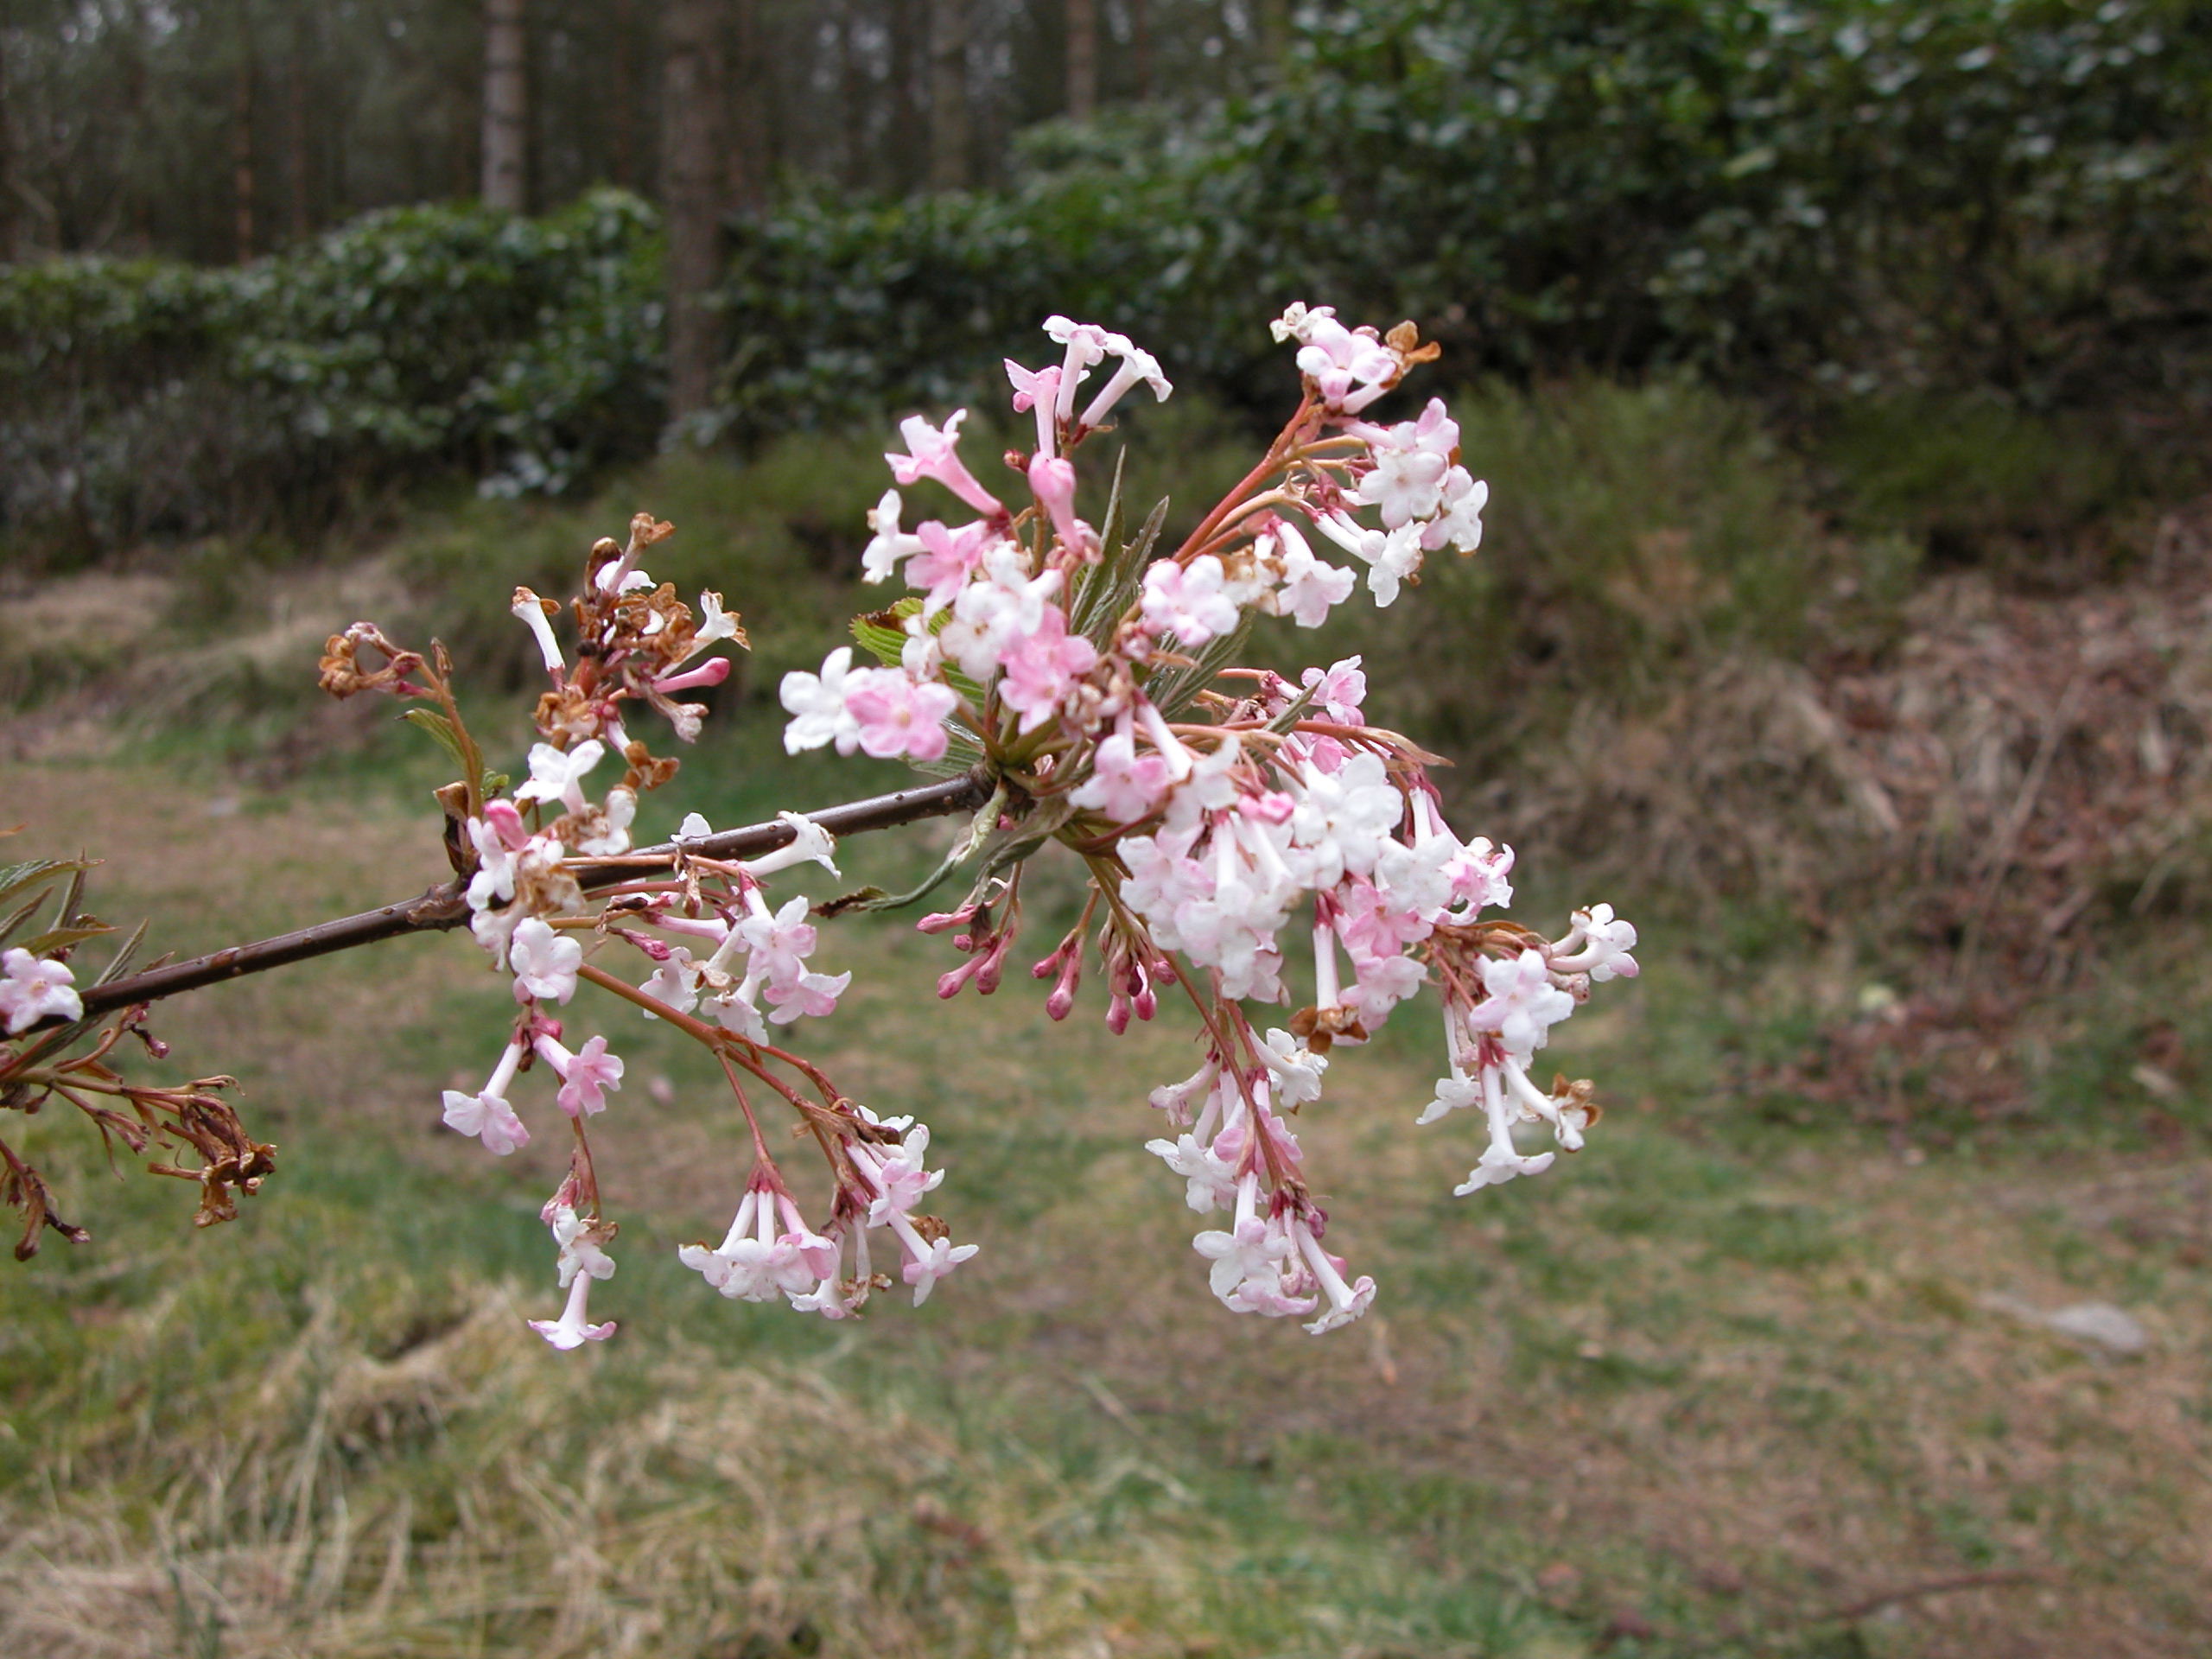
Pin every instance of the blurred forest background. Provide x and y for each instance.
(1842, 372)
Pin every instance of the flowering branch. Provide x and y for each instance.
(1223, 814)
(446, 906)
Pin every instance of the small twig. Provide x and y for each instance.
(446, 905)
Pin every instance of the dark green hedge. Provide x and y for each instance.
(143, 398)
(2009, 194)
(1818, 197)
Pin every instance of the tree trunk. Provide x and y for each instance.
(506, 105)
(624, 111)
(907, 140)
(1140, 45)
(852, 97)
(242, 159)
(11, 220)
(747, 186)
(296, 121)
(948, 94)
(1082, 58)
(691, 189)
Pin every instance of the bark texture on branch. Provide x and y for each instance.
(445, 906)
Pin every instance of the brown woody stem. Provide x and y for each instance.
(446, 905)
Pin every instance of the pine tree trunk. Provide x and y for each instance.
(852, 97)
(243, 181)
(746, 189)
(624, 110)
(506, 105)
(1140, 45)
(948, 94)
(907, 139)
(691, 187)
(1082, 58)
(295, 122)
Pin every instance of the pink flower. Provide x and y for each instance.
(1043, 668)
(934, 455)
(1123, 784)
(587, 1076)
(1054, 482)
(1188, 601)
(811, 995)
(1039, 389)
(713, 672)
(779, 942)
(1339, 692)
(897, 715)
(947, 559)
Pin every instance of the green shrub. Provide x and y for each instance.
(140, 398)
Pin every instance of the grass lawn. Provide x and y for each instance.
(1717, 1386)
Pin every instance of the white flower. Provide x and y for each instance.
(931, 1262)
(880, 559)
(608, 829)
(1136, 364)
(486, 1115)
(579, 1245)
(1311, 587)
(810, 842)
(1501, 1161)
(676, 982)
(1606, 945)
(1523, 1005)
(1390, 556)
(1460, 523)
(1297, 1069)
(529, 610)
(1209, 1179)
(544, 962)
(1405, 483)
(816, 704)
(715, 622)
(573, 1329)
(558, 775)
(32, 989)
(1454, 1094)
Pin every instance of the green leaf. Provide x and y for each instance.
(22, 915)
(121, 959)
(1116, 581)
(440, 729)
(54, 939)
(881, 633)
(1175, 689)
(37, 872)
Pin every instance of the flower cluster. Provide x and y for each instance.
(1235, 825)
(1219, 808)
